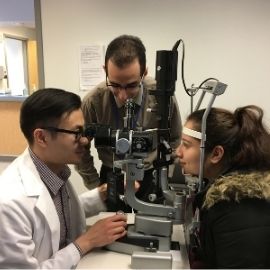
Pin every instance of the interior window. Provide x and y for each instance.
(16, 64)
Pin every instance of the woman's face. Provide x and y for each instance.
(188, 152)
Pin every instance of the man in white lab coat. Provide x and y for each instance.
(42, 218)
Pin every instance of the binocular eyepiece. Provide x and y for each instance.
(122, 141)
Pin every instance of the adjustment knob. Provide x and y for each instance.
(122, 146)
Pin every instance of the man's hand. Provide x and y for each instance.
(136, 185)
(103, 232)
(103, 191)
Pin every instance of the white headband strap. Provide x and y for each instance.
(193, 133)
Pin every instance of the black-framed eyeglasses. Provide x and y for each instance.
(78, 133)
(128, 87)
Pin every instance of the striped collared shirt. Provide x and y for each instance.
(56, 185)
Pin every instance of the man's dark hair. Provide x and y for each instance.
(123, 50)
(45, 107)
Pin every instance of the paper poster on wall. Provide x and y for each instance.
(91, 66)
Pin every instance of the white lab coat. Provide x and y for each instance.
(29, 224)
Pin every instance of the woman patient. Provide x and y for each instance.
(234, 205)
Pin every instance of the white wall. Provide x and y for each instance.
(225, 39)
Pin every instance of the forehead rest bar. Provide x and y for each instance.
(193, 133)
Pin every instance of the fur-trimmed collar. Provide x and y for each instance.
(237, 186)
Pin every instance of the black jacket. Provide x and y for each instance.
(235, 225)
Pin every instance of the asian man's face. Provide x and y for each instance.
(66, 148)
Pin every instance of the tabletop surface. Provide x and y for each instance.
(105, 259)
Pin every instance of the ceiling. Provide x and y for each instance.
(17, 13)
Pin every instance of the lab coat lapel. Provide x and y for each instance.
(35, 187)
(77, 216)
(47, 208)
